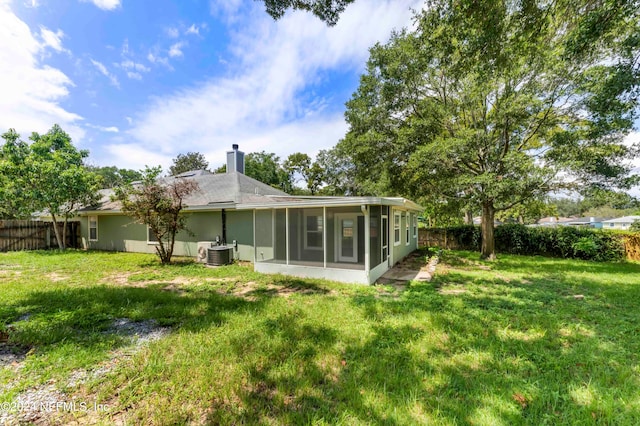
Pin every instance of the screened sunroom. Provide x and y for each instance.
(350, 243)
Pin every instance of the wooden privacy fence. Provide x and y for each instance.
(437, 237)
(17, 235)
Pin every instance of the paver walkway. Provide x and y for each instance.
(410, 268)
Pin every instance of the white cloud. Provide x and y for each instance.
(125, 47)
(226, 9)
(31, 91)
(129, 120)
(104, 71)
(155, 58)
(51, 39)
(111, 129)
(176, 50)
(105, 4)
(260, 104)
(193, 29)
(32, 3)
(173, 32)
(135, 156)
(133, 69)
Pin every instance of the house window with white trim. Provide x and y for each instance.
(93, 228)
(396, 228)
(313, 231)
(407, 220)
(415, 226)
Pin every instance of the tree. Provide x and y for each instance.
(311, 172)
(158, 204)
(48, 175)
(266, 168)
(499, 102)
(112, 176)
(187, 162)
(327, 10)
(15, 199)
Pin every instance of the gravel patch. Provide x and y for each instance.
(41, 404)
(140, 331)
(11, 354)
(33, 405)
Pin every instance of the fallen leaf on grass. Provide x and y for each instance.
(520, 399)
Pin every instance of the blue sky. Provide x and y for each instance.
(139, 82)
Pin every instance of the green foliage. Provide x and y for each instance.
(49, 174)
(311, 172)
(327, 10)
(635, 226)
(112, 176)
(493, 102)
(266, 168)
(158, 204)
(561, 241)
(188, 162)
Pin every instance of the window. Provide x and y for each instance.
(151, 239)
(93, 228)
(313, 232)
(396, 228)
(415, 226)
(407, 220)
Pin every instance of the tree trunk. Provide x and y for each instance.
(488, 250)
(64, 233)
(468, 217)
(56, 231)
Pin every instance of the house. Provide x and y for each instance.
(349, 239)
(620, 222)
(550, 221)
(584, 222)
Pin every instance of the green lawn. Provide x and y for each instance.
(523, 340)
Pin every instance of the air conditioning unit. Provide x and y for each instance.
(201, 257)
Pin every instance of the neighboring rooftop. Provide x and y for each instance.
(623, 219)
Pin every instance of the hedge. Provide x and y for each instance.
(562, 241)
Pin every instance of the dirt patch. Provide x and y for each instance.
(56, 277)
(121, 278)
(451, 291)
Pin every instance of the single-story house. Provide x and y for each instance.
(349, 239)
(620, 222)
(550, 221)
(584, 222)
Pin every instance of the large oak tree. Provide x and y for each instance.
(498, 102)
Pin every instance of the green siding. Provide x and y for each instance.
(240, 229)
(120, 233)
(403, 249)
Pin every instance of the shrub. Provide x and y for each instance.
(564, 241)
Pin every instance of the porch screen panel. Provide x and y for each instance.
(281, 236)
(264, 236)
(306, 227)
(375, 233)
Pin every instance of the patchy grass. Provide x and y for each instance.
(523, 340)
